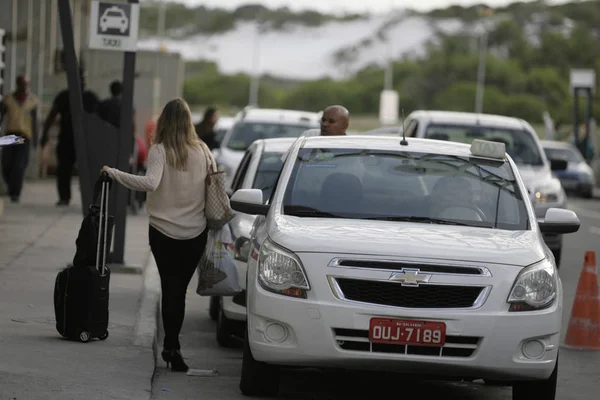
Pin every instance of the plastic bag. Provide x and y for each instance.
(217, 272)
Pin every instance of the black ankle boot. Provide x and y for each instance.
(175, 359)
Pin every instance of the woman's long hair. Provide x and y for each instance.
(176, 132)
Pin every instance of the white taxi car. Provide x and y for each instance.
(417, 256)
(258, 169)
(522, 144)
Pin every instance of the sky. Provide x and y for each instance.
(360, 6)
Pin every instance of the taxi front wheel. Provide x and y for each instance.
(539, 390)
(258, 378)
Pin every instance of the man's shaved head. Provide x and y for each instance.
(334, 121)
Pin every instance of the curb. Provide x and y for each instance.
(146, 328)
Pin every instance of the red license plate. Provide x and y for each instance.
(401, 331)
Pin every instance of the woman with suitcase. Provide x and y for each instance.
(177, 168)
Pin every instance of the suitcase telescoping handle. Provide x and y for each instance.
(105, 183)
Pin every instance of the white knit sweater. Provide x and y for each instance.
(175, 201)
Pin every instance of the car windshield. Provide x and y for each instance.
(519, 143)
(405, 186)
(245, 133)
(113, 14)
(268, 170)
(571, 155)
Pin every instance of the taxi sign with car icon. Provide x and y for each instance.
(114, 18)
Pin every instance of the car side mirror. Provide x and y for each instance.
(558, 164)
(559, 221)
(249, 201)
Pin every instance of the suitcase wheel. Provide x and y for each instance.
(84, 336)
(103, 336)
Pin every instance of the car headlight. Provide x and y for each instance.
(279, 271)
(587, 177)
(535, 287)
(551, 193)
(242, 249)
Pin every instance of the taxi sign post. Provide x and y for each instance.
(114, 27)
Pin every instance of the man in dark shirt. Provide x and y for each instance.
(65, 150)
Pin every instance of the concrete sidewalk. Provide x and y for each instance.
(37, 239)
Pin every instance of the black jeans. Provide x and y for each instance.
(65, 158)
(176, 261)
(14, 163)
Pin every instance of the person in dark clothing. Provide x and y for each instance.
(205, 129)
(20, 109)
(110, 109)
(65, 150)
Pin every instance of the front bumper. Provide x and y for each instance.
(332, 333)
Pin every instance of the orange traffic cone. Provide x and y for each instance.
(584, 325)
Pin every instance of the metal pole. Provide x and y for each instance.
(125, 150)
(13, 48)
(42, 55)
(388, 82)
(254, 82)
(52, 44)
(481, 73)
(576, 138)
(29, 45)
(588, 120)
(76, 102)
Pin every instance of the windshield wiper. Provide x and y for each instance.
(419, 219)
(305, 211)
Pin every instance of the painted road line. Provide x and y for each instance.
(595, 230)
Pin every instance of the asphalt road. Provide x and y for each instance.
(579, 371)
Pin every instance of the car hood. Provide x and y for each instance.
(405, 239)
(534, 175)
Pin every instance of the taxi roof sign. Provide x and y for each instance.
(488, 149)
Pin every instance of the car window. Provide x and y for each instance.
(571, 155)
(240, 173)
(520, 144)
(219, 134)
(284, 158)
(411, 128)
(397, 185)
(245, 133)
(268, 170)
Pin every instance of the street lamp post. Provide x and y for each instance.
(255, 78)
(483, 50)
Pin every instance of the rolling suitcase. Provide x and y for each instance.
(81, 291)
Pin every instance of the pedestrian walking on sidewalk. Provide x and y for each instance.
(21, 111)
(65, 150)
(175, 182)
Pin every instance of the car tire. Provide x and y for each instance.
(588, 193)
(213, 310)
(539, 390)
(225, 330)
(258, 378)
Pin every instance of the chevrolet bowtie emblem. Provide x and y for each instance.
(410, 277)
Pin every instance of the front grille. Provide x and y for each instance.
(396, 295)
(396, 266)
(358, 340)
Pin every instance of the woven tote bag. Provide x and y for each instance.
(217, 208)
